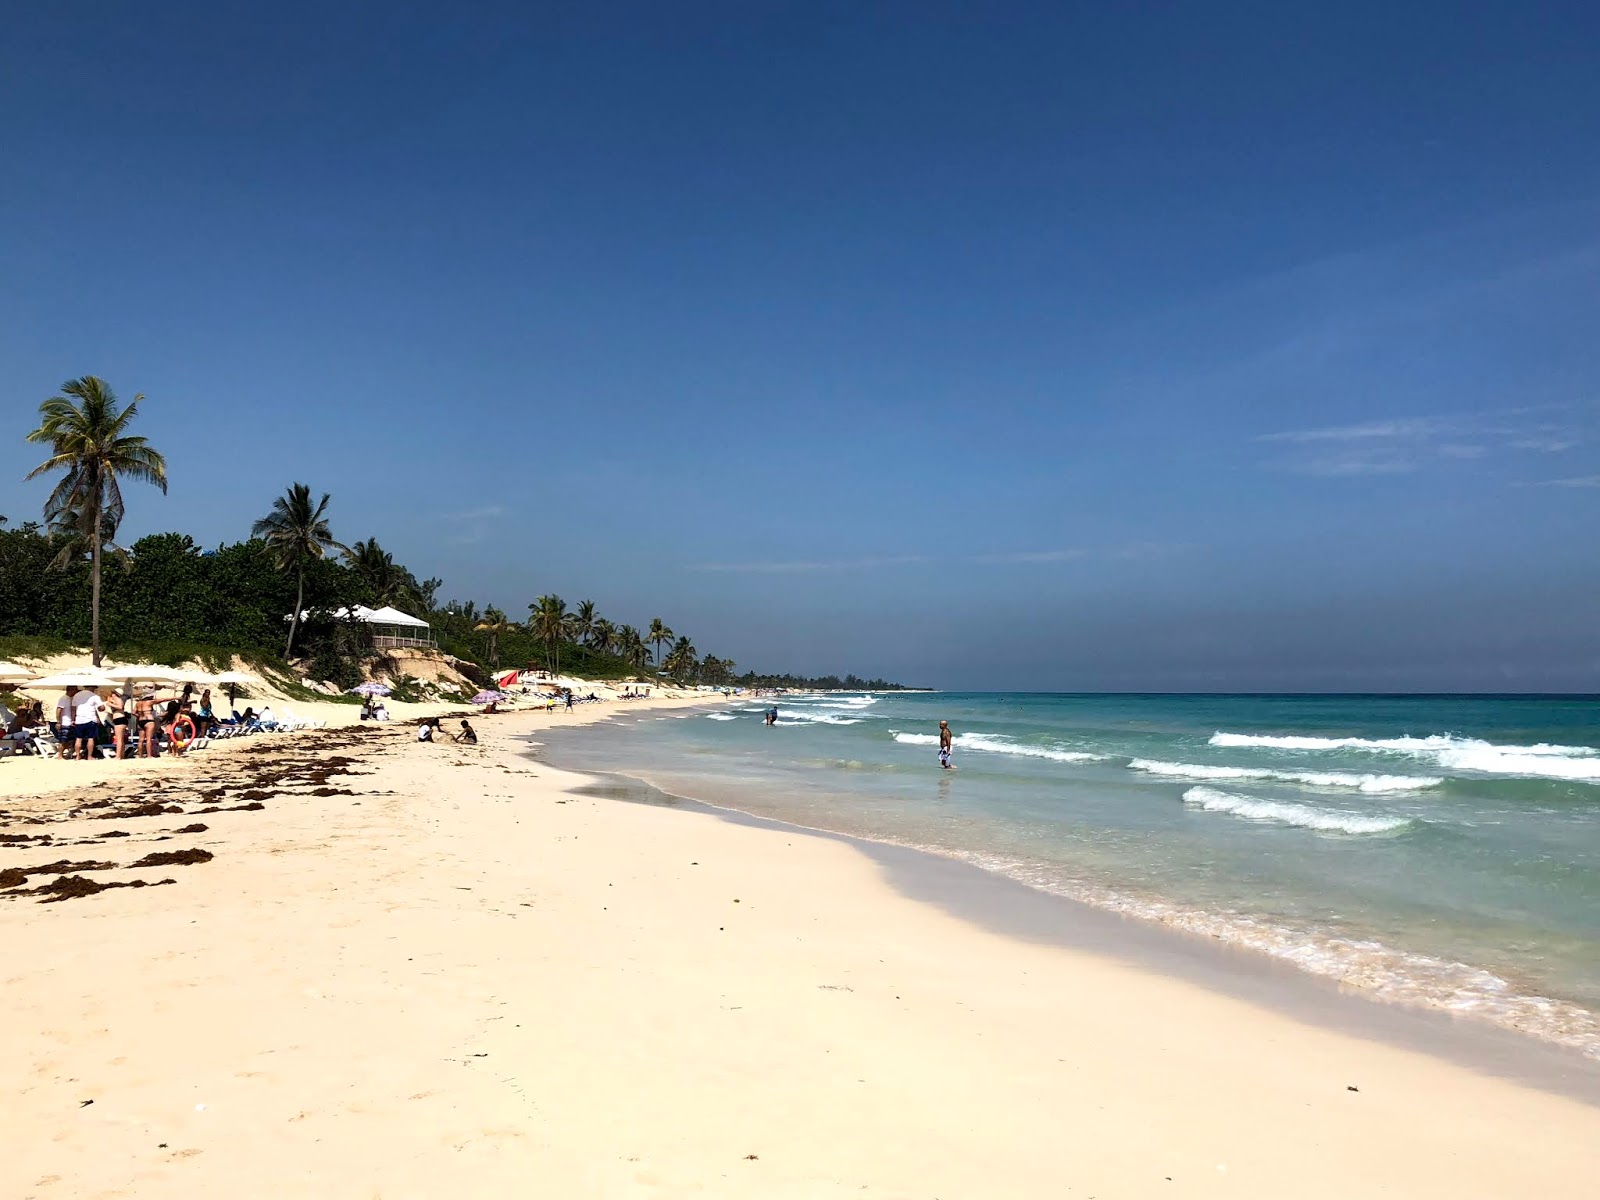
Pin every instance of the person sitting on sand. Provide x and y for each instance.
(428, 729)
(468, 734)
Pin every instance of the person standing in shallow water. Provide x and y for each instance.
(945, 744)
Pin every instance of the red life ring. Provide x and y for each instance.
(172, 733)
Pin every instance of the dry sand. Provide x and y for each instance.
(449, 975)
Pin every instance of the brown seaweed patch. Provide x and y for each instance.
(74, 887)
(174, 858)
(196, 828)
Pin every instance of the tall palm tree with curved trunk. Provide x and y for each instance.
(494, 624)
(551, 625)
(297, 534)
(603, 636)
(88, 437)
(583, 619)
(658, 634)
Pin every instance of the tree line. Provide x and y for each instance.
(168, 596)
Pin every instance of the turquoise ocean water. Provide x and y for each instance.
(1441, 851)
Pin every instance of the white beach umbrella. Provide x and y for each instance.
(83, 679)
(140, 673)
(10, 672)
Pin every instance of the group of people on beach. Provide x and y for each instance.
(91, 722)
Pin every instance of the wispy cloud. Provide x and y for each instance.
(1581, 481)
(1032, 556)
(803, 566)
(477, 514)
(1407, 427)
(1398, 445)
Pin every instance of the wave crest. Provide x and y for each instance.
(1284, 812)
(990, 743)
(1540, 761)
(1332, 779)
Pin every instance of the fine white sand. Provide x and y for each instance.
(465, 980)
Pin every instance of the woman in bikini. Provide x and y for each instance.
(144, 714)
(118, 704)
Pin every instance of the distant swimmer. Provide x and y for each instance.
(945, 744)
(772, 715)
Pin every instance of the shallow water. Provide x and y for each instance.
(1442, 851)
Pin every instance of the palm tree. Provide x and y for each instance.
(494, 624)
(632, 648)
(88, 438)
(550, 625)
(296, 534)
(603, 636)
(386, 581)
(583, 619)
(68, 527)
(681, 661)
(658, 633)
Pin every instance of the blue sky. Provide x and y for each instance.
(1057, 346)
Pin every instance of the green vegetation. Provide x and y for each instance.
(167, 600)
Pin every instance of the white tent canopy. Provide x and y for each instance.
(393, 627)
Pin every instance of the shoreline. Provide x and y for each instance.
(1370, 966)
(1014, 909)
(416, 969)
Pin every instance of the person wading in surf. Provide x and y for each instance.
(945, 744)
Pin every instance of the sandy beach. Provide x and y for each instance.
(411, 970)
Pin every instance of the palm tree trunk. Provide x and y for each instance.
(294, 617)
(94, 587)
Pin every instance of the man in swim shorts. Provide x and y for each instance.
(945, 744)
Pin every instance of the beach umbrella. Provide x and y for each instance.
(83, 679)
(140, 673)
(370, 689)
(488, 697)
(10, 672)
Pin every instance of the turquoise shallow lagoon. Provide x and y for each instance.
(1441, 851)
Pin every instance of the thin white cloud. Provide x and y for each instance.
(1581, 481)
(1545, 444)
(800, 567)
(477, 514)
(1032, 556)
(1345, 466)
(1402, 444)
(1405, 427)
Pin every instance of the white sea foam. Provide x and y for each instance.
(1284, 812)
(994, 744)
(1542, 760)
(814, 717)
(721, 716)
(1329, 779)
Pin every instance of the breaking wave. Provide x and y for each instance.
(1284, 812)
(1543, 761)
(1330, 779)
(990, 743)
